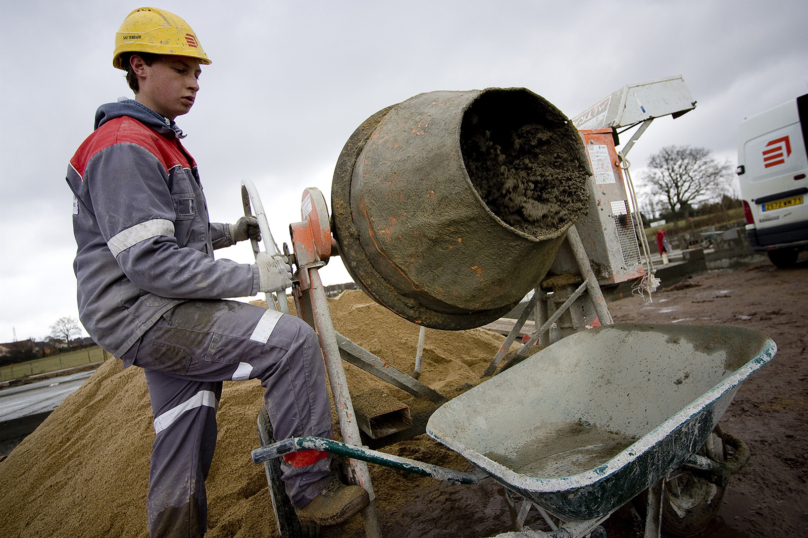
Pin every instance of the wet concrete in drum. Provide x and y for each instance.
(528, 175)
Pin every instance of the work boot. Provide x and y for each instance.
(336, 504)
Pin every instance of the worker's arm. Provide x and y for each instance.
(220, 235)
(139, 217)
(225, 235)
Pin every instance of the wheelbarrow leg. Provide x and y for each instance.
(519, 516)
(653, 513)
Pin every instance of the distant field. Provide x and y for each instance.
(732, 215)
(51, 364)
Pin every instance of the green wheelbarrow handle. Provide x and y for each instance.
(295, 444)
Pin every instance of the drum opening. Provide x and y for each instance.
(522, 156)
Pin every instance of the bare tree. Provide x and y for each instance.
(683, 175)
(65, 328)
(649, 208)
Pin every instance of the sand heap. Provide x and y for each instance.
(84, 471)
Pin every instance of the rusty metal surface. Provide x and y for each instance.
(313, 209)
(412, 229)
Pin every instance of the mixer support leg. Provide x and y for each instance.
(591, 280)
(342, 398)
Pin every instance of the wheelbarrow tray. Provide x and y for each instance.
(586, 424)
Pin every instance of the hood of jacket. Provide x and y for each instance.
(131, 108)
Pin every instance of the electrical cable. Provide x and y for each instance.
(648, 283)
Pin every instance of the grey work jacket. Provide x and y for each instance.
(140, 220)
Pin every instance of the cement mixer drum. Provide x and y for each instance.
(450, 206)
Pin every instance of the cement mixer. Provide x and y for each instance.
(448, 208)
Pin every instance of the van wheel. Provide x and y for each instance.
(784, 258)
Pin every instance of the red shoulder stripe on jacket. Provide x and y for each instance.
(123, 130)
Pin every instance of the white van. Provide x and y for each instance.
(772, 168)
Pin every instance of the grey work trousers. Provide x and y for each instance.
(187, 355)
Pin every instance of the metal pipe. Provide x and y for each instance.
(367, 361)
(249, 194)
(398, 463)
(546, 517)
(589, 276)
(522, 515)
(653, 513)
(419, 353)
(503, 349)
(652, 281)
(540, 315)
(577, 293)
(637, 135)
(342, 397)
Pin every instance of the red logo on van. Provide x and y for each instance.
(775, 155)
(191, 40)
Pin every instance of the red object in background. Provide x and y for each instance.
(747, 213)
(660, 241)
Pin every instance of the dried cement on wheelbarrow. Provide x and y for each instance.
(84, 471)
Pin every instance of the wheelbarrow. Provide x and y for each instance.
(587, 424)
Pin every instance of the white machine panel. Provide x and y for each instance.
(635, 103)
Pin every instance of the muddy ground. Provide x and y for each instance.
(769, 497)
(84, 472)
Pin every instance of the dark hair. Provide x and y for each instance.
(131, 78)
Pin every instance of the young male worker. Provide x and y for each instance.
(150, 290)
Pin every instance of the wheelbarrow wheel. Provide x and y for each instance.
(689, 509)
(690, 501)
(289, 526)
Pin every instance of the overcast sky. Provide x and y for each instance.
(290, 81)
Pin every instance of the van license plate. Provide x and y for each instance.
(779, 204)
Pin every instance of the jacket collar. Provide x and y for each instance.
(131, 108)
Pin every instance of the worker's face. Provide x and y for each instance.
(169, 85)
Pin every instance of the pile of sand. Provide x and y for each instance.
(84, 471)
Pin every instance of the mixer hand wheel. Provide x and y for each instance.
(249, 196)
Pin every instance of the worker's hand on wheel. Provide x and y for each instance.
(274, 272)
(245, 228)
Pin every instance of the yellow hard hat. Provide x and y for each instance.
(157, 31)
